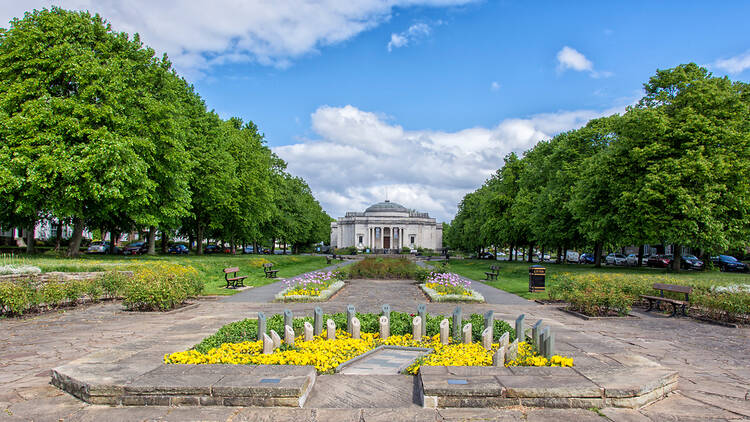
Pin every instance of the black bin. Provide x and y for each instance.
(536, 278)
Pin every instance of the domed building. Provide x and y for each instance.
(389, 226)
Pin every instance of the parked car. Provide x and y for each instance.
(248, 249)
(179, 249)
(691, 262)
(586, 258)
(136, 248)
(486, 255)
(209, 249)
(631, 260)
(662, 261)
(98, 247)
(572, 256)
(729, 263)
(615, 259)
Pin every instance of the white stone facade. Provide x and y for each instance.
(387, 225)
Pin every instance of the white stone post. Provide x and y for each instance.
(308, 331)
(504, 339)
(355, 328)
(385, 327)
(445, 331)
(498, 359)
(416, 328)
(276, 339)
(288, 335)
(467, 333)
(331, 329)
(487, 338)
(267, 344)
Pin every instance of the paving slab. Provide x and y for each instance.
(364, 391)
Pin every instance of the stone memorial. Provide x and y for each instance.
(318, 321)
(289, 335)
(422, 312)
(267, 344)
(487, 338)
(350, 313)
(520, 329)
(457, 320)
(511, 352)
(331, 329)
(444, 331)
(504, 339)
(288, 317)
(261, 324)
(385, 328)
(276, 339)
(356, 327)
(489, 319)
(467, 333)
(308, 331)
(498, 359)
(387, 311)
(536, 332)
(543, 340)
(416, 328)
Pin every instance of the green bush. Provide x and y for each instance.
(160, 286)
(350, 250)
(113, 283)
(51, 294)
(388, 268)
(15, 298)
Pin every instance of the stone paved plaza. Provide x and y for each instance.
(713, 361)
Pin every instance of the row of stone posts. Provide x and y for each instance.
(541, 337)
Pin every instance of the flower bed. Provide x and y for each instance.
(607, 294)
(449, 287)
(325, 355)
(317, 286)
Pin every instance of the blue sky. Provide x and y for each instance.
(422, 98)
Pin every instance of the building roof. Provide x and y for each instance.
(386, 206)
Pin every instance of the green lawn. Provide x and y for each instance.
(209, 266)
(514, 276)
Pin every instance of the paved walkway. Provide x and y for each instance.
(713, 361)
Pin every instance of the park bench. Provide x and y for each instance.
(328, 259)
(674, 302)
(492, 273)
(269, 272)
(234, 280)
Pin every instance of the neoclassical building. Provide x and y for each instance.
(387, 225)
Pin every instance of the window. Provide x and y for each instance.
(360, 239)
(377, 232)
(412, 238)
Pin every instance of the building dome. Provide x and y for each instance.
(386, 206)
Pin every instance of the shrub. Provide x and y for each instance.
(399, 268)
(160, 286)
(15, 298)
(350, 250)
(113, 283)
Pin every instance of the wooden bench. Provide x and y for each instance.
(234, 280)
(492, 273)
(269, 272)
(328, 260)
(674, 302)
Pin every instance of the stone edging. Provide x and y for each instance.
(324, 295)
(475, 297)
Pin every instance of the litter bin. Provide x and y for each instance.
(536, 278)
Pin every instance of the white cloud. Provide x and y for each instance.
(358, 154)
(198, 35)
(736, 64)
(570, 58)
(494, 86)
(411, 35)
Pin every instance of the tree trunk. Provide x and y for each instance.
(114, 239)
(191, 239)
(74, 247)
(598, 254)
(284, 249)
(30, 238)
(677, 254)
(152, 240)
(199, 239)
(531, 253)
(565, 254)
(58, 235)
(273, 245)
(232, 246)
(559, 255)
(164, 241)
(641, 248)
